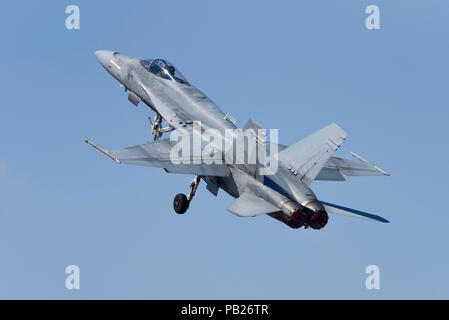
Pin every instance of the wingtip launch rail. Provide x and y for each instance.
(104, 151)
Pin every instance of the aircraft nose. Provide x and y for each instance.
(103, 56)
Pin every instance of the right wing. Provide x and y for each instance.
(335, 167)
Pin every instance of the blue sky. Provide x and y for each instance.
(291, 65)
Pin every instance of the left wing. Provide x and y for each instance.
(157, 154)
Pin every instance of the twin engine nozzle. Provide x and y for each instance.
(311, 215)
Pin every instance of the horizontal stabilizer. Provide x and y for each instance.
(333, 208)
(330, 174)
(250, 205)
(370, 165)
(336, 167)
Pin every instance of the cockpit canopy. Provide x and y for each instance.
(164, 69)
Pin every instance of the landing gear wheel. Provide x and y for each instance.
(180, 203)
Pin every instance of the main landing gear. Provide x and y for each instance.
(181, 201)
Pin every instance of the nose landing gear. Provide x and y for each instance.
(181, 202)
(156, 128)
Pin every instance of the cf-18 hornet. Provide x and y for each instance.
(205, 142)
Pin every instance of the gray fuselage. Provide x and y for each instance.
(180, 104)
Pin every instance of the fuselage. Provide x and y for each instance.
(163, 88)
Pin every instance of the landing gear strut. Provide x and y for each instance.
(181, 201)
(156, 128)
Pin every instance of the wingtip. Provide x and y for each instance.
(104, 151)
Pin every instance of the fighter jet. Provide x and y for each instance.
(281, 191)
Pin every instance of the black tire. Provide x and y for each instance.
(180, 203)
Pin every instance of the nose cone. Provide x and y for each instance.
(104, 56)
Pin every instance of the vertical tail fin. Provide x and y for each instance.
(307, 157)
